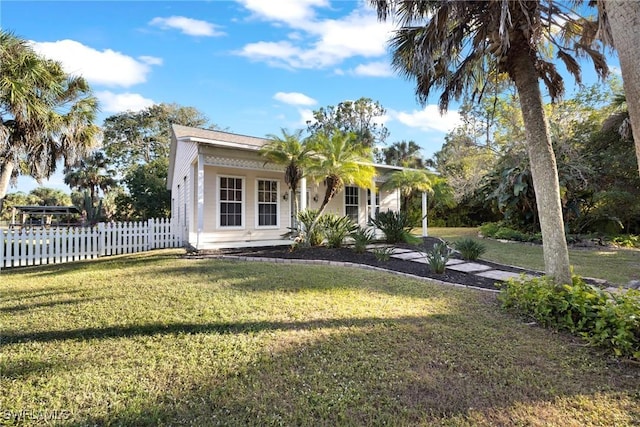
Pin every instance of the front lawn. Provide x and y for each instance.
(157, 339)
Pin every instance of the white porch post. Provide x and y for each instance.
(303, 199)
(424, 214)
(372, 200)
(200, 202)
(303, 194)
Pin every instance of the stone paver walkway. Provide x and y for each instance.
(476, 267)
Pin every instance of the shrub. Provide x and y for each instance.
(336, 229)
(383, 254)
(602, 319)
(470, 249)
(626, 241)
(437, 258)
(497, 230)
(314, 237)
(396, 227)
(361, 238)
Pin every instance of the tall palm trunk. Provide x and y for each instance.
(333, 185)
(543, 169)
(624, 21)
(6, 170)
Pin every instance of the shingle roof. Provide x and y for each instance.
(216, 135)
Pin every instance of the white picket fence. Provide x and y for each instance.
(39, 245)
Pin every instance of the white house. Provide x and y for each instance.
(223, 194)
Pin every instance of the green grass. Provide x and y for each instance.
(155, 339)
(617, 266)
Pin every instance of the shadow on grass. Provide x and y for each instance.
(400, 372)
(22, 294)
(196, 328)
(23, 307)
(248, 276)
(104, 263)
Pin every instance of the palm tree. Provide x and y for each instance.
(458, 45)
(338, 160)
(619, 22)
(403, 153)
(408, 181)
(91, 173)
(291, 152)
(45, 115)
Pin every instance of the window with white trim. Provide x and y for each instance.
(351, 203)
(230, 201)
(267, 203)
(376, 205)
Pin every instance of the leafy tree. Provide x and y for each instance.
(50, 197)
(291, 152)
(362, 117)
(457, 45)
(39, 196)
(133, 138)
(148, 196)
(45, 114)
(91, 173)
(403, 153)
(18, 198)
(338, 160)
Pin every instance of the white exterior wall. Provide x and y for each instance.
(181, 185)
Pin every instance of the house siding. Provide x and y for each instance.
(182, 200)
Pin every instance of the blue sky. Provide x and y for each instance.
(252, 66)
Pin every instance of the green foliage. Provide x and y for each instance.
(46, 115)
(357, 117)
(626, 241)
(337, 228)
(134, 138)
(497, 230)
(92, 213)
(437, 258)
(470, 249)
(39, 196)
(602, 319)
(361, 238)
(383, 253)
(148, 196)
(306, 235)
(396, 226)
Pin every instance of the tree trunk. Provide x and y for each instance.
(543, 170)
(624, 20)
(6, 170)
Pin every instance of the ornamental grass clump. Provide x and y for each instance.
(362, 237)
(437, 258)
(470, 249)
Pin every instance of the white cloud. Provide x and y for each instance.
(428, 119)
(118, 102)
(107, 67)
(151, 60)
(294, 98)
(615, 70)
(188, 26)
(292, 12)
(326, 42)
(374, 69)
